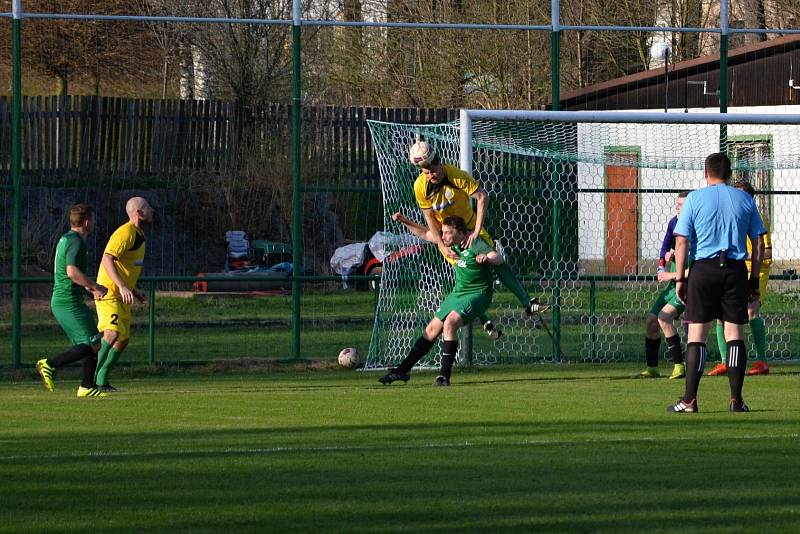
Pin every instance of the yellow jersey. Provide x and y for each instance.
(127, 246)
(449, 197)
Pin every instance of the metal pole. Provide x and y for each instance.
(555, 56)
(297, 190)
(16, 180)
(555, 82)
(465, 162)
(666, 80)
(593, 319)
(151, 324)
(723, 56)
(465, 141)
(468, 350)
(723, 71)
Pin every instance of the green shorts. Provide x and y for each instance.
(469, 307)
(77, 321)
(668, 296)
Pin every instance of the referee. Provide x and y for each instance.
(712, 231)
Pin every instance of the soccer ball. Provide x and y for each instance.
(349, 358)
(421, 154)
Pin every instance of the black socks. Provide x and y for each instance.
(695, 364)
(651, 347)
(674, 348)
(449, 349)
(421, 347)
(737, 363)
(73, 354)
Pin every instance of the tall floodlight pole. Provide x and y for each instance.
(16, 180)
(297, 189)
(555, 75)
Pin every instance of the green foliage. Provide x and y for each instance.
(550, 448)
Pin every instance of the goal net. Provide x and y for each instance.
(579, 206)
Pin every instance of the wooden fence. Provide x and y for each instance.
(86, 136)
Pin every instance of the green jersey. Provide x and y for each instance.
(473, 277)
(71, 250)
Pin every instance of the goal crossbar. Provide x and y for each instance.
(467, 116)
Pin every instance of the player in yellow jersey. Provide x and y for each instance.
(757, 327)
(442, 191)
(120, 268)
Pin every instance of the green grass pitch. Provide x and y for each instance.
(538, 448)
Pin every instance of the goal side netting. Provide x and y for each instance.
(580, 203)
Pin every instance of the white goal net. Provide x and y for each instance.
(580, 202)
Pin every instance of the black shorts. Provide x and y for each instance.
(716, 292)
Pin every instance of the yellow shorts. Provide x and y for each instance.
(763, 278)
(113, 314)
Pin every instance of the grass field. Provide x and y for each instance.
(539, 448)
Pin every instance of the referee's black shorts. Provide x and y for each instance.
(716, 292)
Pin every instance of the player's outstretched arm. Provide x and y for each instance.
(414, 227)
(435, 232)
(482, 204)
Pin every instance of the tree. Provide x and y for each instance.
(249, 63)
(88, 52)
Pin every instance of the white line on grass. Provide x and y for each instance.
(412, 446)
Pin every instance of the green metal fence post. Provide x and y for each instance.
(16, 179)
(593, 318)
(555, 82)
(723, 72)
(468, 346)
(297, 201)
(151, 325)
(555, 56)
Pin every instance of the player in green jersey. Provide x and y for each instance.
(470, 297)
(493, 331)
(666, 308)
(70, 285)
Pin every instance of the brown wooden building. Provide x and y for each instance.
(758, 75)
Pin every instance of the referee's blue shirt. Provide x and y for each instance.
(716, 218)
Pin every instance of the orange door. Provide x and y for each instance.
(622, 216)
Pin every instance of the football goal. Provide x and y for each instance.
(579, 206)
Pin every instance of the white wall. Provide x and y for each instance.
(675, 156)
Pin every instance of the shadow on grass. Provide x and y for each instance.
(619, 486)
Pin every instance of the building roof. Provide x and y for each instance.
(682, 69)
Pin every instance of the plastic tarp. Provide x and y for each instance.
(381, 244)
(348, 258)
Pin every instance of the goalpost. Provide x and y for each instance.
(579, 206)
